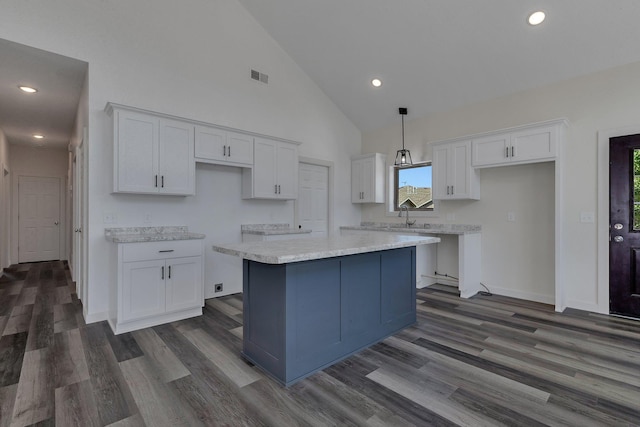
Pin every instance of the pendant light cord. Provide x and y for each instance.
(403, 132)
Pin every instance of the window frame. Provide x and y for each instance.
(393, 193)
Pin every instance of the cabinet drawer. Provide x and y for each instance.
(161, 250)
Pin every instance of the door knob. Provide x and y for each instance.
(618, 239)
(617, 226)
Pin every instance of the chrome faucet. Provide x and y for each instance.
(407, 222)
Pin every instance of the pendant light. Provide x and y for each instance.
(403, 157)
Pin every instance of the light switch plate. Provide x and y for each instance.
(587, 217)
(109, 218)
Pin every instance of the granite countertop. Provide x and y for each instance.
(286, 251)
(149, 234)
(272, 229)
(417, 228)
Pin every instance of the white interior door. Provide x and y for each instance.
(5, 196)
(38, 218)
(76, 267)
(313, 198)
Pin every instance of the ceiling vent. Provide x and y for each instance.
(258, 76)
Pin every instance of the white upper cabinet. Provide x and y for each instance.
(275, 171)
(453, 176)
(177, 169)
(526, 144)
(152, 155)
(219, 146)
(368, 178)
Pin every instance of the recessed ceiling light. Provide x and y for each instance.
(376, 82)
(28, 89)
(536, 18)
(38, 136)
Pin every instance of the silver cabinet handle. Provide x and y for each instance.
(56, 223)
(618, 239)
(452, 193)
(447, 190)
(513, 152)
(162, 272)
(165, 251)
(169, 272)
(162, 181)
(229, 151)
(507, 152)
(224, 150)
(156, 181)
(275, 188)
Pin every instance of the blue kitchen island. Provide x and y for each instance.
(309, 303)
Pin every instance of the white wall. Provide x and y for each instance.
(4, 202)
(32, 161)
(191, 59)
(603, 100)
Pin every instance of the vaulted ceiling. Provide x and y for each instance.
(431, 55)
(436, 55)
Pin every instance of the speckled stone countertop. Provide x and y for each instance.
(286, 251)
(149, 234)
(272, 229)
(417, 228)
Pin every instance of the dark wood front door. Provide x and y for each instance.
(624, 225)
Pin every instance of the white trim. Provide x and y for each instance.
(331, 166)
(529, 296)
(94, 317)
(602, 305)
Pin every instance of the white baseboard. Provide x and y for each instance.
(95, 317)
(586, 306)
(529, 296)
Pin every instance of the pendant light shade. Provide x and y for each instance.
(403, 157)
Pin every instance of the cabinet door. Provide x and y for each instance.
(534, 144)
(143, 289)
(210, 143)
(368, 180)
(136, 139)
(356, 181)
(287, 170)
(240, 148)
(440, 172)
(264, 169)
(184, 283)
(177, 165)
(491, 150)
(460, 170)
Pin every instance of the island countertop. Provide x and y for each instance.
(287, 251)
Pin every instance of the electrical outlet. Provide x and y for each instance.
(218, 287)
(511, 216)
(109, 218)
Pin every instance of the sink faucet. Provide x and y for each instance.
(407, 222)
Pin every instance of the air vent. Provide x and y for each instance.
(258, 76)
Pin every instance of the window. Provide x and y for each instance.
(412, 187)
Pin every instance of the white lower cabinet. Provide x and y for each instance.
(158, 282)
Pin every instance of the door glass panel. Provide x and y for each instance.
(636, 189)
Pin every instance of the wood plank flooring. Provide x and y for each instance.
(486, 361)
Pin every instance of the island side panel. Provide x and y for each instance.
(264, 287)
(314, 321)
(398, 301)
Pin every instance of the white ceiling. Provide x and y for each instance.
(432, 55)
(52, 110)
(435, 55)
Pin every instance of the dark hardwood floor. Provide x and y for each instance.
(486, 361)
